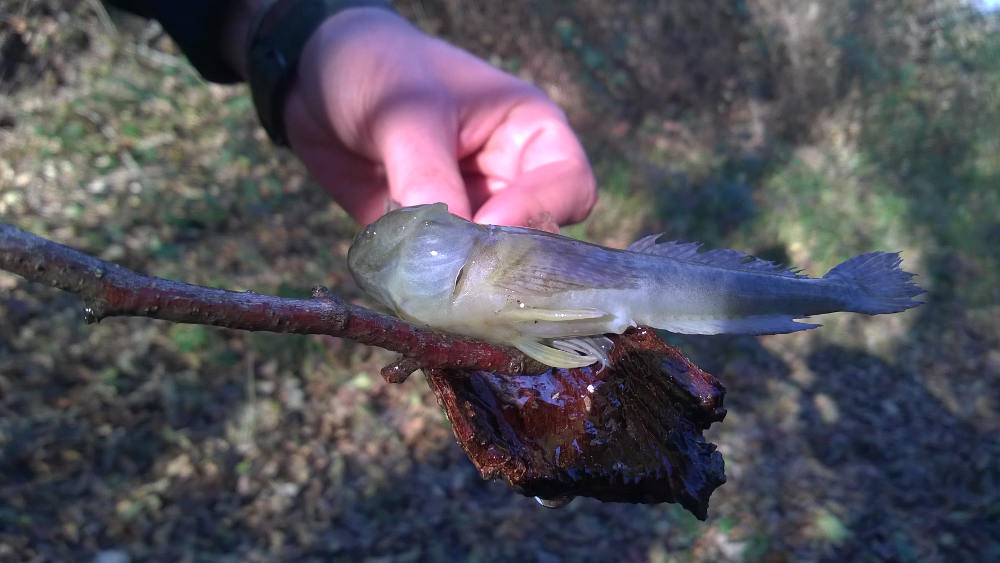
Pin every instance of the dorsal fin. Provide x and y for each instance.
(720, 257)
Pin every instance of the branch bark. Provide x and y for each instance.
(109, 290)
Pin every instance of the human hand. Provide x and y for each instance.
(383, 111)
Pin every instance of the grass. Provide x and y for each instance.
(869, 439)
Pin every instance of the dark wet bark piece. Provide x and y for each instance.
(629, 433)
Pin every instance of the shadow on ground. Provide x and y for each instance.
(805, 133)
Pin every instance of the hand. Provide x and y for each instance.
(381, 110)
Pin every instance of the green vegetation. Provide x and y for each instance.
(805, 132)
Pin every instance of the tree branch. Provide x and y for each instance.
(110, 290)
(630, 431)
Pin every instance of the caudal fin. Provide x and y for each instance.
(882, 286)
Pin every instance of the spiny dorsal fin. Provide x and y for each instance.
(720, 257)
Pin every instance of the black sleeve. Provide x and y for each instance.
(196, 27)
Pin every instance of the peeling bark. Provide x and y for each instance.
(630, 432)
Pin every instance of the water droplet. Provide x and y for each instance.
(557, 502)
(89, 316)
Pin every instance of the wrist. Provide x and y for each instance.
(278, 35)
(236, 32)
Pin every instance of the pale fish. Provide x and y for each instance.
(554, 298)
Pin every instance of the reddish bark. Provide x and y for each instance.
(110, 290)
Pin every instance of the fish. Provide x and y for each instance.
(556, 298)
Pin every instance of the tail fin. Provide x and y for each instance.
(882, 286)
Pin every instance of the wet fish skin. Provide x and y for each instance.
(554, 297)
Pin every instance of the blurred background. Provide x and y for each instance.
(802, 131)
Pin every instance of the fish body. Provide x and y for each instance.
(555, 297)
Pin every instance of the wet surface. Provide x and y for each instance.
(630, 432)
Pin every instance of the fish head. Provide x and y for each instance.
(385, 237)
(409, 260)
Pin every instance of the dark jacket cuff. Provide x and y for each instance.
(196, 27)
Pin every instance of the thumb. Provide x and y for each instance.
(417, 140)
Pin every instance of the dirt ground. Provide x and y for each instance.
(804, 132)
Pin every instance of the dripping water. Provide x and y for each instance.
(557, 502)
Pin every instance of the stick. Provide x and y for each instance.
(109, 290)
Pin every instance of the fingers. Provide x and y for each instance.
(415, 136)
(397, 101)
(372, 96)
(545, 173)
(353, 181)
(559, 192)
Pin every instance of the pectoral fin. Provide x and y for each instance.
(551, 356)
(536, 314)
